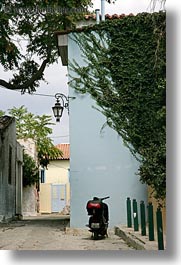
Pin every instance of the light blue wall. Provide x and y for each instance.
(100, 164)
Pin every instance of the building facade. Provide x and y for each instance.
(100, 164)
(11, 159)
(54, 183)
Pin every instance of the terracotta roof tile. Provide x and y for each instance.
(107, 16)
(65, 148)
(92, 17)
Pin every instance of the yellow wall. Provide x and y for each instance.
(45, 198)
(57, 173)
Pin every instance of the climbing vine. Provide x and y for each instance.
(125, 72)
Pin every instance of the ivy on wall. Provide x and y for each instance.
(125, 72)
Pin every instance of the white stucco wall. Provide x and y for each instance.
(100, 164)
(30, 201)
(29, 192)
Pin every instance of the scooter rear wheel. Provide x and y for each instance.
(95, 235)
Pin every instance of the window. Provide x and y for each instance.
(10, 165)
(42, 175)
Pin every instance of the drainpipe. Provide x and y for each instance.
(103, 10)
(97, 16)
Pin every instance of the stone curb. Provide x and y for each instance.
(135, 239)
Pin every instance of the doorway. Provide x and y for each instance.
(58, 197)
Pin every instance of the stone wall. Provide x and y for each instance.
(8, 158)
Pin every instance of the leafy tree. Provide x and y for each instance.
(2, 113)
(33, 22)
(30, 171)
(124, 72)
(37, 128)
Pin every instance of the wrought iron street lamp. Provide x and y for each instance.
(59, 106)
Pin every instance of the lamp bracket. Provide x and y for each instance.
(65, 100)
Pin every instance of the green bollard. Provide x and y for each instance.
(128, 204)
(159, 229)
(143, 222)
(150, 222)
(135, 215)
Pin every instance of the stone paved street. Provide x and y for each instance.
(53, 233)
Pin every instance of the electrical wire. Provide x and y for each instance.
(60, 136)
(34, 94)
(42, 95)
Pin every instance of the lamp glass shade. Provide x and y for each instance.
(57, 111)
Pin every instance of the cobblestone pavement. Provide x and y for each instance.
(54, 234)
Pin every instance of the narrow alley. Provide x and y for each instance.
(53, 233)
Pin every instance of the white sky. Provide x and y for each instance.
(57, 79)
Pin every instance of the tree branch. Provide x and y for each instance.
(28, 83)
